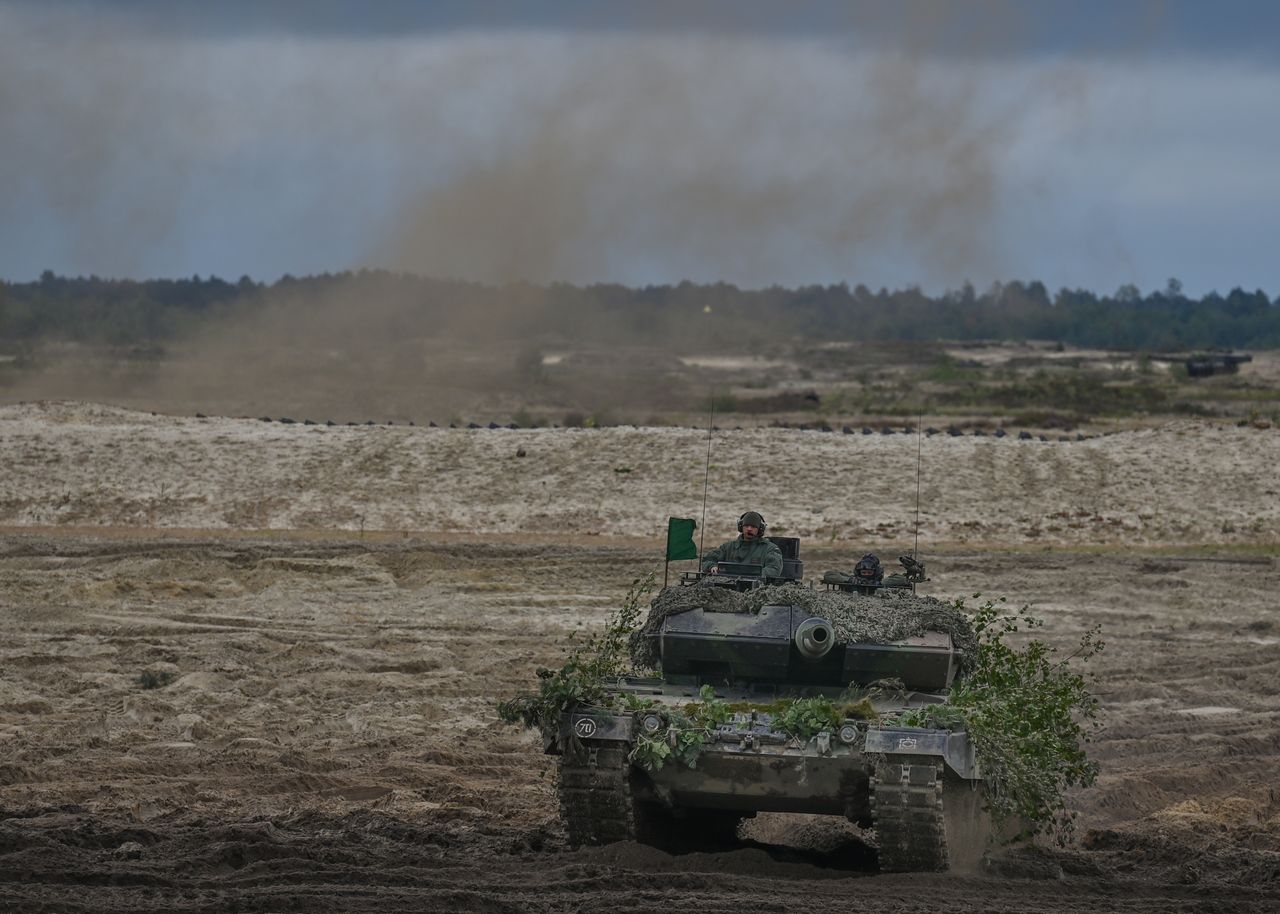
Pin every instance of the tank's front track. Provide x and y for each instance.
(598, 802)
(906, 807)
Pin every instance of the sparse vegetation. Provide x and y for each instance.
(721, 403)
(525, 419)
(1071, 391)
(949, 369)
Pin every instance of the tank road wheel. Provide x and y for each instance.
(598, 803)
(927, 821)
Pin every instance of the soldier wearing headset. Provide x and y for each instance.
(750, 546)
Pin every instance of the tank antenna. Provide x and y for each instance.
(702, 533)
(919, 450)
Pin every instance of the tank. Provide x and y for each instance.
(754, 646)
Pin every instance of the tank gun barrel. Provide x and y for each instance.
(813, 638)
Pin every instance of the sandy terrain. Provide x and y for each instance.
(320, 734)
(1184, 482)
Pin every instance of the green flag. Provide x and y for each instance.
(680, 538)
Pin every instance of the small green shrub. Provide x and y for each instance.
(526, 419)
(947, 368)
(720, 403)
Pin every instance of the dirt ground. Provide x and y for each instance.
(217, 693)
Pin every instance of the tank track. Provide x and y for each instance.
(906, 809)
(597, 805)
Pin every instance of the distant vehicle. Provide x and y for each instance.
(1202, 366)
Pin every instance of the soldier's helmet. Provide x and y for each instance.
(868, 570)
(754, 519)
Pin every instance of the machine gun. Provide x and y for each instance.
(914, 569)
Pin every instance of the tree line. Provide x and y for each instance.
(141, 312)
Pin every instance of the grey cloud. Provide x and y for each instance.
(1231, 28)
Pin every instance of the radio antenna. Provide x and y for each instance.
(919, 449)
(706, 479)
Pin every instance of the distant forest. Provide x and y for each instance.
(126, 312)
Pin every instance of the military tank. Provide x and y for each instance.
(756, 646)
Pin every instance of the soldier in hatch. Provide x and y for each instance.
(750, 546)
(868, 574)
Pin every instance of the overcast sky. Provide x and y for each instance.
(1085, 144)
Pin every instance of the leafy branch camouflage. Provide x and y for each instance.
(587, 669)
(1027, 710)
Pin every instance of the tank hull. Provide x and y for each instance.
(907, 783)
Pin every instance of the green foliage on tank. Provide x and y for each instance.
(589, 665)
(1028, 711)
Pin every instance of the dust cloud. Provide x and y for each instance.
(379, 347)
(99, 132)
(512, 158)
(721, 158)
(577, 154)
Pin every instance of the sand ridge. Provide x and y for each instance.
(1186, 481)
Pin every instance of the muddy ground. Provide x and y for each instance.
(302, 718)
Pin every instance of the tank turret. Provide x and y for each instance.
(787, 643)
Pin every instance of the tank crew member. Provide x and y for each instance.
(750, 546)
(868, 574)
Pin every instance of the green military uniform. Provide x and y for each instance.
(757, 551)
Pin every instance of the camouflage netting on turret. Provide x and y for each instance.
(882, 618)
